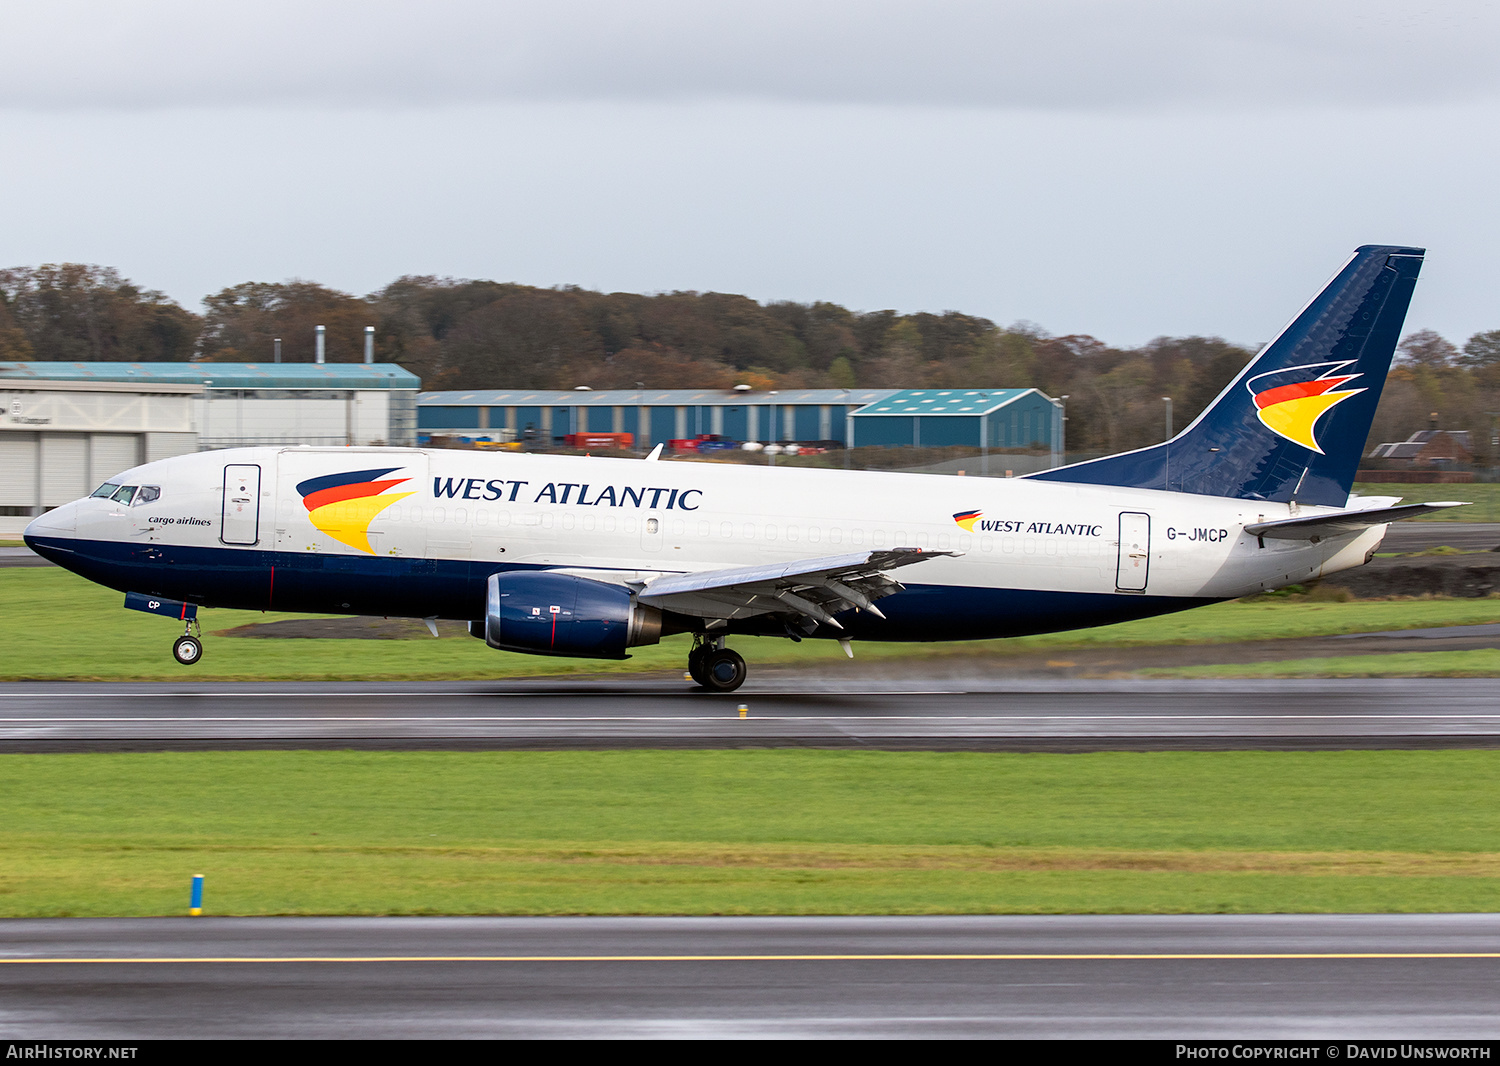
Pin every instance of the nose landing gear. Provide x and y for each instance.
(188, 649)
(715, 667)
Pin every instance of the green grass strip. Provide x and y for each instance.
(749, 832)
(56, 626)
(1483, 499)
(1477, 662)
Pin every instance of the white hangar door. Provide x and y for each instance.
(109, 454)
(1135, 552)
(18, 473)
(241, 512)
(64, 468)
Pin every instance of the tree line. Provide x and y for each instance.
(466, 334)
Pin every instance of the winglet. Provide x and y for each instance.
(655, 454)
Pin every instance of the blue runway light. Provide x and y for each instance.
(195, 905)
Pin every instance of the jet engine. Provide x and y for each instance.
(543, 613)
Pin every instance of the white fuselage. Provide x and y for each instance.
(621, 521)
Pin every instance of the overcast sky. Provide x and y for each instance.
(1125, 169)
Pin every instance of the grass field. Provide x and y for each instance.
(749, 832)
(1479, 662)
(55, 625)
(1484, 499)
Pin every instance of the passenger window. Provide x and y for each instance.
(148, 494)
(106, 490)
(123, 494)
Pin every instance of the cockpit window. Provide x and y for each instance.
(123, 494)
(148, 494)
(106, 490)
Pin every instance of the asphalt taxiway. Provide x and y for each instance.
(910, 713)
(1173, 977)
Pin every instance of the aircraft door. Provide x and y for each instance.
(1135, 552)
(240, 516)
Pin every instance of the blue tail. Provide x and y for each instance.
(1292, 425)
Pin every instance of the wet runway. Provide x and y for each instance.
(914, 713)
(1419, 536)
(1172, 977)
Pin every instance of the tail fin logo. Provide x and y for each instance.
(1291, 408)
(343, 505)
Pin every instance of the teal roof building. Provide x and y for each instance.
(1020, 419)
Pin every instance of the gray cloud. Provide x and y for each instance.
(1064, 54)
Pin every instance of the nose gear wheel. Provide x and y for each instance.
(187, 649)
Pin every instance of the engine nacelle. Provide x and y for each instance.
(543, 613)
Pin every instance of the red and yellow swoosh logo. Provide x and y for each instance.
(343, 505)
(966, 519)
(1292, 410)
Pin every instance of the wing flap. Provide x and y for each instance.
(811, 591)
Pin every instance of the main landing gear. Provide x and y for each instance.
(188, 649)
(715, 667)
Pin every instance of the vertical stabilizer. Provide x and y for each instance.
(1292, 426)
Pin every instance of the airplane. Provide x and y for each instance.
(589, 557)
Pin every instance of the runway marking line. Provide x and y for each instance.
(525, 719)
(901, 957)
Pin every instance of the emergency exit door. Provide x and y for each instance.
(241, 514)
(1135, 552)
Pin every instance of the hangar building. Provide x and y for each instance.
(978, 418)
(67, 427)
(651, 416)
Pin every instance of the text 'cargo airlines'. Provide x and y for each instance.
(579, 556)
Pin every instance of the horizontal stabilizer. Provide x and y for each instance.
(1341, 522)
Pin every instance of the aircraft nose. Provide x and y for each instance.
(58, 522)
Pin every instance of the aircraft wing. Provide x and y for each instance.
(812, 591)
(1340, 522)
